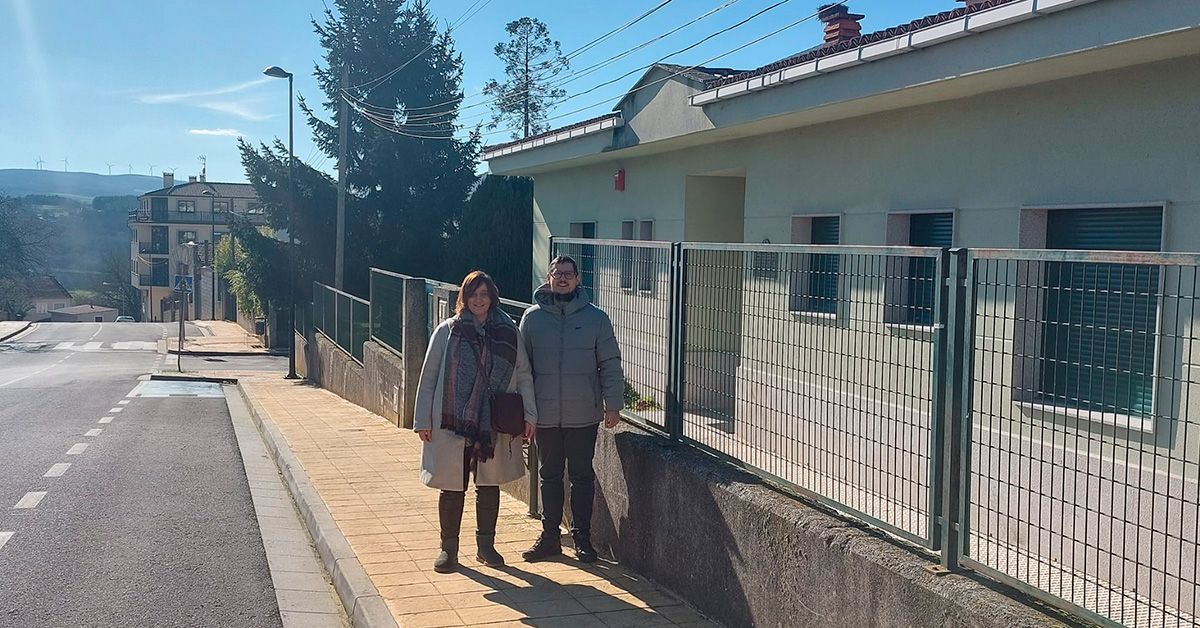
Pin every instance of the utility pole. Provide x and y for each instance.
(343, 134)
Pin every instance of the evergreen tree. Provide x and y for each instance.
(406, 190)
(315, 229)
(496, 235)
(531, 59)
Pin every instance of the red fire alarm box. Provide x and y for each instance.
(619, 180)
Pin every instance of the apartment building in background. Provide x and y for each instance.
(161, 230)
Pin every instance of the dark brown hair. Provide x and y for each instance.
(470, 284)
(562, 259)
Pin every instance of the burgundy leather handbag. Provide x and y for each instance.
(508, 414)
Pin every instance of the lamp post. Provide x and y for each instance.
(191, 246)
(278, 72)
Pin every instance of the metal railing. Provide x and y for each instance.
(149, 280)
(343, 318)
(204, 217)
(1026, 412)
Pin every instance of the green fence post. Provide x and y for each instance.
(955, 414)
(676, 331)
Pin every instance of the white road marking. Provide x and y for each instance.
(4, 537)
(31, 500)
(99, 328)
(115, 410)
(64, 345)
(123, 402)
(91, 346)
(57, 470)
(134, 345)
(13, 381)
(77, 449)
(106, 419)
(94, 432)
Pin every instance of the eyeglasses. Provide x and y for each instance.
(563, 274)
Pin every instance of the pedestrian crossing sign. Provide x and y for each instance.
(183, 283)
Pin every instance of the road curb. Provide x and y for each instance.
(19, 331)
(358, 594)
(226, 354)
(193, 378)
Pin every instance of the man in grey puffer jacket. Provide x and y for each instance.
(577, 378)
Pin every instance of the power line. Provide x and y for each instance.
(466, 15)
(653, 83)
(415, 120)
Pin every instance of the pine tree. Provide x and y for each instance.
(405, 191)
(531, 59)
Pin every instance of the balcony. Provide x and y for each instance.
(152, 248)
(257, 217)
(148, 281)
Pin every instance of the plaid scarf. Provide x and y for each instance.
(479, 361)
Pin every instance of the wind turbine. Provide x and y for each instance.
(152, 169)
(109, 168)
(40, 161)
(65, 162)
(130, 168)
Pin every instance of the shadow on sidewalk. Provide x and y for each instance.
(545, 602)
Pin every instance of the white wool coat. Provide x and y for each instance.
(442, 458)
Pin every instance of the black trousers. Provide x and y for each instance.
(574, 449)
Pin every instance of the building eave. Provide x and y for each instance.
(967, 25)
(581, 129)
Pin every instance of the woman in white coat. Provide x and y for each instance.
(476, 352)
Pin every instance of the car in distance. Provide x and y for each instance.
(124, 319)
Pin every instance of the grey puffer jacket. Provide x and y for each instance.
(576, 361)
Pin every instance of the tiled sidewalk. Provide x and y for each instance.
(365, 470)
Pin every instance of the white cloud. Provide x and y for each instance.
(216, 132)
(240, 109)
(155, 99)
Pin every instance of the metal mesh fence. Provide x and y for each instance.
(1068, 426)
(1085, 434)
(387, 308)
(631, 282)
(342, 317)
(799, 362)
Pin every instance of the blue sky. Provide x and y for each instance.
(135, 83)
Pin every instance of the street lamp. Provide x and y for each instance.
(278, 72)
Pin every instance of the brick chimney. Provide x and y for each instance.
(168, 179)
(840, 24)
(192, 179)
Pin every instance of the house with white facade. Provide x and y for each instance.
(1025, 125)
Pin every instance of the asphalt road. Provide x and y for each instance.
(151, 524)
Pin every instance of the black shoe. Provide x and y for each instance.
(584, 552)
(547, 546)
